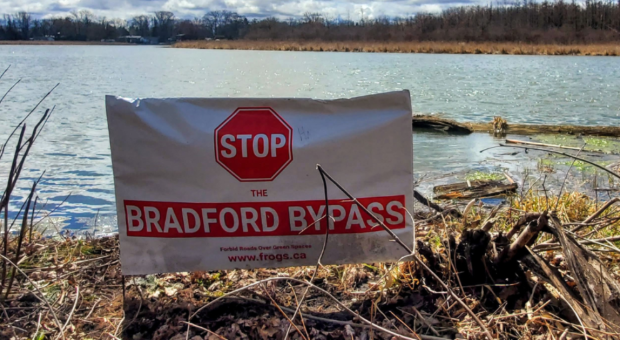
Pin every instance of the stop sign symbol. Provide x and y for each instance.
(254, 144)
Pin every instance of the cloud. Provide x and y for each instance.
(125, 9)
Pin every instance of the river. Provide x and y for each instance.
(74, 147)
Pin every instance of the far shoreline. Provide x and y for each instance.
(427, 47)
(61, 42)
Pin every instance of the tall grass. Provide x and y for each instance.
(408, 47)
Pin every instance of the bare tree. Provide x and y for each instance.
(213, 20)
(314, 18)
(165, 22)
(140, 25)
(22, 22)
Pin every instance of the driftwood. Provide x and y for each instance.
(473, 189)
(523, 220)
(524, 239)
(557, 153)
(449, 125)
(550, 273)
(420, 198)
(514, 141)
(599, 290)
(438, 123)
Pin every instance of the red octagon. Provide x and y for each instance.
(254, 144)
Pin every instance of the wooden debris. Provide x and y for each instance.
(524, 238)
(420, 198)
(523, 220)
(514, 141)
(449, 125)
(598, 288)
(490, 221)
(499, 125)
(473, 189)
(550, 273)
(441, 124)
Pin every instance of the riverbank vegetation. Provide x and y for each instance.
(441, 47)
(71, 288)
(525, 23)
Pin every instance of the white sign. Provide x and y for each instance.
(208, 184)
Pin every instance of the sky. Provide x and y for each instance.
(125, 9)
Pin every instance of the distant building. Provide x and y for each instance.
(131, 39)
(151, 40)
(44, 38)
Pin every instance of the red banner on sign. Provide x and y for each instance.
(189, 220)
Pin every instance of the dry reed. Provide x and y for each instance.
(409, 47)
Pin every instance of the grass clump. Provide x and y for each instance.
(484, 175)
(592, 143)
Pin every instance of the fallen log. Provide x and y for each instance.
(473, 189)
(449, 125)
(441, 124)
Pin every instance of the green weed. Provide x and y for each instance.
(481, 175)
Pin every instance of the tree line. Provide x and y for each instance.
(85, 26)
(524, 21)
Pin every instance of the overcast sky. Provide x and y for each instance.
(125, 9)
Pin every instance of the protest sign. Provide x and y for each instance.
(222, 183)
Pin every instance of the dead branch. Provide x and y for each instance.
(523, 220)
(291, 323)
(597, 213)
(559, 153)
(524, 238)
(423, 319)
(430, 204)
(366, 321)
(42, 298)
(555, 278)
(9, 90)
(21, 237)
(490, 221)
(597, 287)
(77, 298)
(514, 141)
(418, 260)
(5, 70)
(555, 245)
(318, 262)
(24, 119)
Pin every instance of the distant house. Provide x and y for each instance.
(178, 37)
(44, 38)
(151, 40)
(131, 39)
